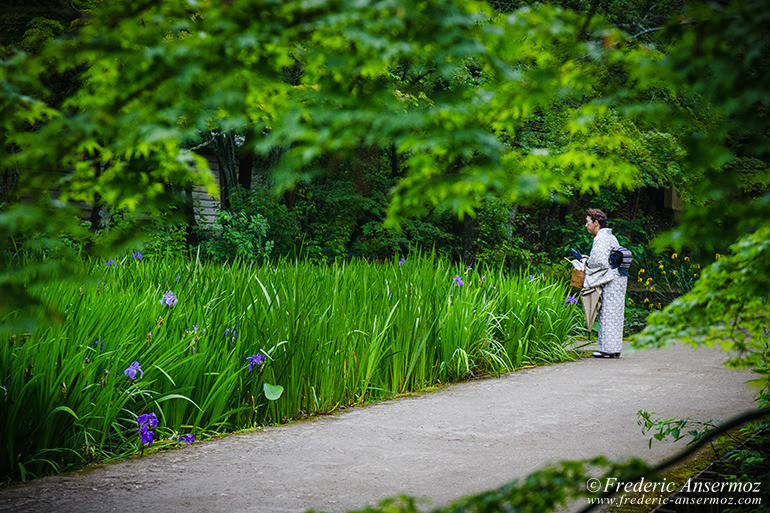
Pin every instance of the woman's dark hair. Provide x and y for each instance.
(597, 215)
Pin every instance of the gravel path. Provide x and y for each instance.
(460, 440)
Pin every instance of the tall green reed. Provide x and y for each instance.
(331, 335)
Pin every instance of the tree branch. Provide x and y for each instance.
(690, 449)
(420, 77)
(646, 31)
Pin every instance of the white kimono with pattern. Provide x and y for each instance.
(599, 274)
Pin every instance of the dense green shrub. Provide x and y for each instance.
(635, 318)
(500, 240)
(570, 233)
(659, 278)
(166, 239)
(240, 236)
(283, 226)
(430, 234)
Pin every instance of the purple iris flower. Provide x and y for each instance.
(531, 277)
(145, 435)
(131, 371)
(458, 281)
(137, 255)
(232, 330)
(570, 300)
(255, 360)
(169, 299)
(111, 262)
(146, 422)
(401, 262)
(195, 328)
(147, 418)
(188, 439)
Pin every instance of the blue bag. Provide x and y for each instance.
(620, 259)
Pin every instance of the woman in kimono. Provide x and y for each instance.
(613, 285)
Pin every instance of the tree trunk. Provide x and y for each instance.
(395, 167)
(511, 223)
(96, 218)
(552, 213)
(470, 234)
(188, 211)
(246, 161)
(8, 187)
(224, 148)
(636, 203)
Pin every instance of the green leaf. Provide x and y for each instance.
(272, 392)
(64, 409)
(177, 396)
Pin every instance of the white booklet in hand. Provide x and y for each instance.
(577, 264)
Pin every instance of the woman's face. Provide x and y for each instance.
(592, 226)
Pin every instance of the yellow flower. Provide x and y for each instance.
(641, 271)
(673, 256)
(673, 272)
(697, 266)
(640, 279)
(718, 255)
(664, 272)
(686, 259)
(660, 266)
(652, 289)
(648, 281)
(658, 306)
(646, 300)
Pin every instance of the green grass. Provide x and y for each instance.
(332, 335)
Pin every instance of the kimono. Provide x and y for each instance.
(613, 301)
